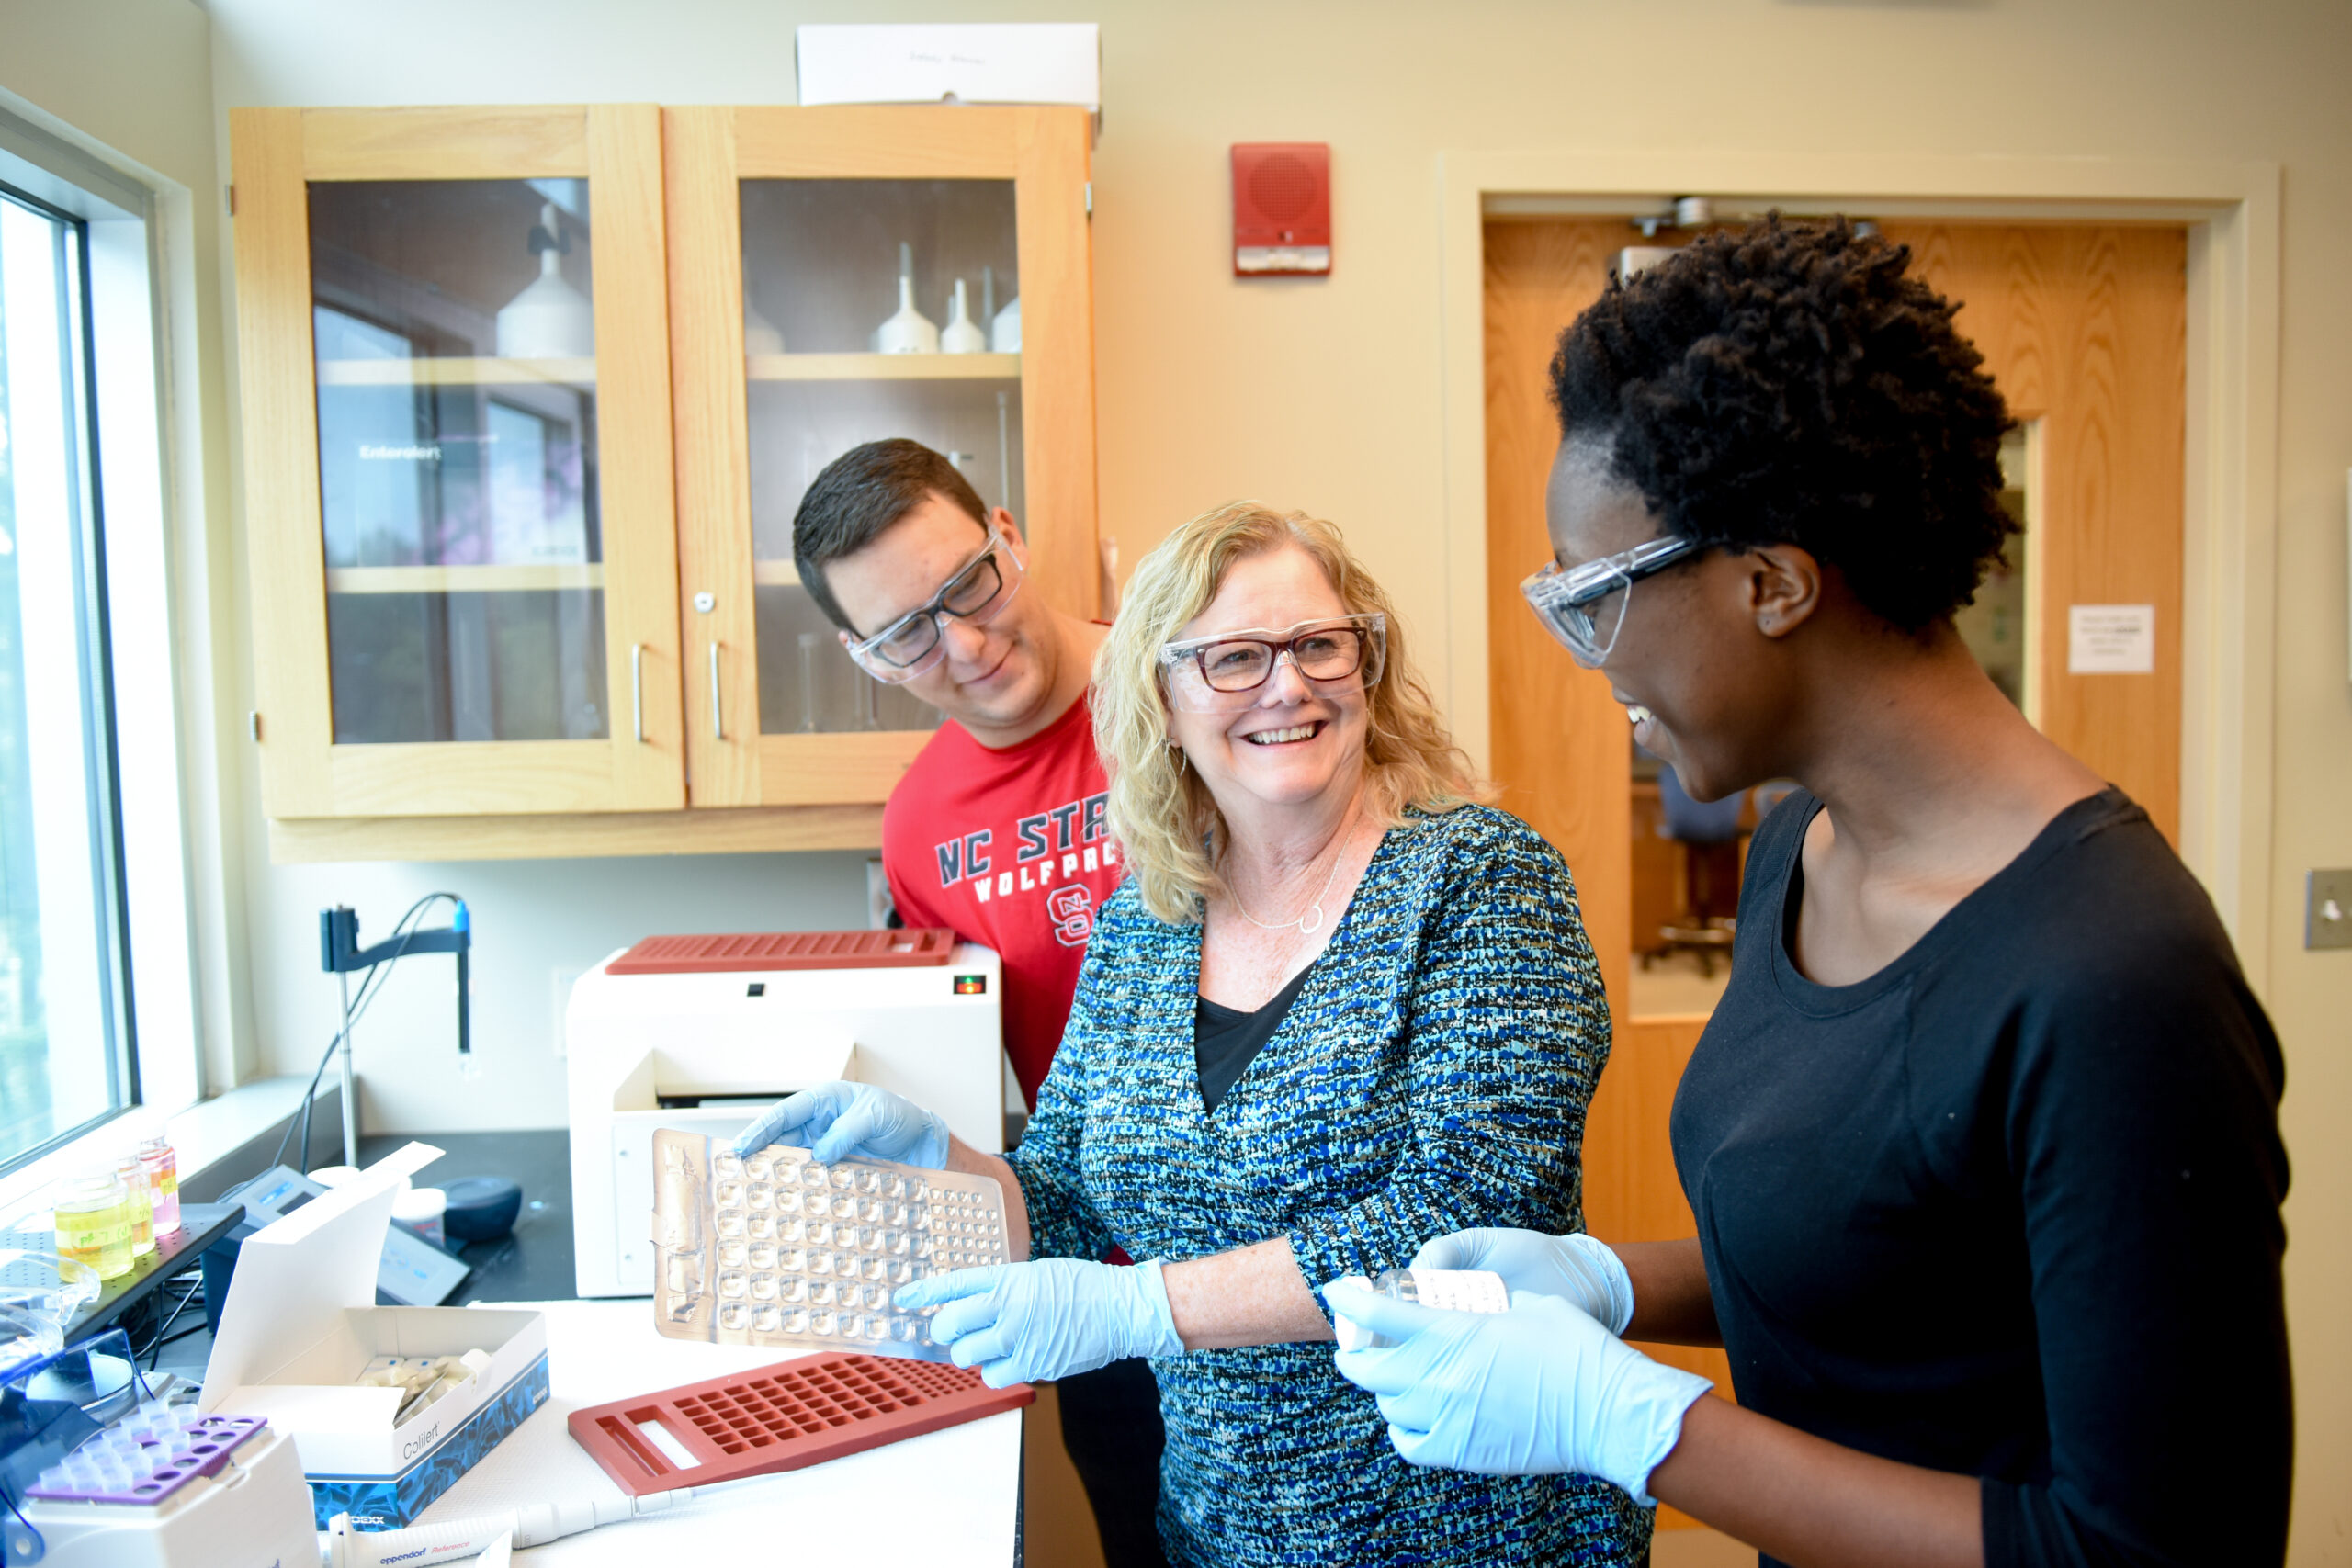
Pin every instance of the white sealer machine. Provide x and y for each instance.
(701, 1033)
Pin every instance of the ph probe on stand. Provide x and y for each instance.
(341, 955)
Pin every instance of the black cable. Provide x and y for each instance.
(303, 1118)
(156, 1352)
(155, 1347)
(370, 982)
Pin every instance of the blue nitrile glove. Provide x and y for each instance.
(1540, 1390)
(851, 1120)
(1029, 1322)
(1574, 1267)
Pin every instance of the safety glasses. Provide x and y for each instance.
(1585, 607)
(1223, 673)
(913, 644)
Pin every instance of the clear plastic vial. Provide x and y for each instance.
(132, 1174)
(94, 1222)
(1450, 1289)
(163, 1164)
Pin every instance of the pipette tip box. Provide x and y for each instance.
(786, 1416)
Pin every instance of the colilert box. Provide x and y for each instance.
(301, 1326)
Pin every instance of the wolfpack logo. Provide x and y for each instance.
(1072, 908)
(1071, 841)
(1071, 831)
(1029, 878)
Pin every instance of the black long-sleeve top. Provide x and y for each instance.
(2010, 1207)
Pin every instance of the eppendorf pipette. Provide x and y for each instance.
(343, 1545)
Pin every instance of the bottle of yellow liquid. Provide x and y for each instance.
(133, 1176)
(94, 1222)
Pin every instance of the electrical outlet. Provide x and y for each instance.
(2327, 909)
(560, 979)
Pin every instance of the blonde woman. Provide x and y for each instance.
(1337, 1008)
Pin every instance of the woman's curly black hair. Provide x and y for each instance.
(1789, 383)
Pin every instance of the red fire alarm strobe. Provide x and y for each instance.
(1282, 209)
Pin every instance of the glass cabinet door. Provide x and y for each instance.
(476, 290)
(833, 270)
(848, 288)
(457, 396)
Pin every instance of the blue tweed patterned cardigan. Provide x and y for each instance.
(1432, 1076)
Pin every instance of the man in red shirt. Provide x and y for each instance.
(997, 832)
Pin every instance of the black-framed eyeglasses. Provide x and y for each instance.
(1222, 674)
(1585, 606)
(977, 591)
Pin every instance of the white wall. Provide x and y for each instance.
(534, 921)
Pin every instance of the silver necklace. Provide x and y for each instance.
(1315, 906)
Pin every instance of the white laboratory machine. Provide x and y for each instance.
(252, 1510)
(97, 1470)
(700, 1034)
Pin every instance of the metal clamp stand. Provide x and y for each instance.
(340, 953)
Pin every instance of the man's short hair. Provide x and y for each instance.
(856, 499)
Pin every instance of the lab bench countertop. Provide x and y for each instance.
(947, 1499)
(533, 1263)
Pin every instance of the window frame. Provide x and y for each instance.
(137, 503)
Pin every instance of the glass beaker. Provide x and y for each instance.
(94, 1222)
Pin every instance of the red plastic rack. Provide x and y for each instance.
(919, 947)
(787, 1417)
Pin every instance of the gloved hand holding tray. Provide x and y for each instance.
(773, 1248)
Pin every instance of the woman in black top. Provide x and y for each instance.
(1982, 1139)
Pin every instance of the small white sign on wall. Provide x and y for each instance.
(972, 62)
(2110, 640)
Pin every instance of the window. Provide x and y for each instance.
(95, 951)
(65, 1058)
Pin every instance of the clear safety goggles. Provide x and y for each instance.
(1585, 606)
(1223, 674)
(914, 643)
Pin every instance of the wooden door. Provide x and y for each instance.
(444, 625)
(784, 225)
(2085, 330)
(2083, 327)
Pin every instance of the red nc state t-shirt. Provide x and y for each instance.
(1009, 849)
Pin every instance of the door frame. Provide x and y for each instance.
(2230, 512)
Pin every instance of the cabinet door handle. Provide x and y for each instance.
(636, 688)
(718, 728)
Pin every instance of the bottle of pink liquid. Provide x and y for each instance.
(162, 1167)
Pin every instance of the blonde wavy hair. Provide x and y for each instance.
(1167, 823)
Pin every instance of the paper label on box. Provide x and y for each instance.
(2110, 640)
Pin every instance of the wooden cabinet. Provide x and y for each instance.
(530, 397)
(791, 230)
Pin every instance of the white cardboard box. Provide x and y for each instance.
(974, 63)
(301, 1325)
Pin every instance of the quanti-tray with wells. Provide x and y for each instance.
(775, 1248)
